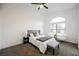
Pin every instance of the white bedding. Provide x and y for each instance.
(41, 45)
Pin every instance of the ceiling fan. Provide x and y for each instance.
(41, 5)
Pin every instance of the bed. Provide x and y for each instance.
(40, 44)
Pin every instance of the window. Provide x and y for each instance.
(57, 26)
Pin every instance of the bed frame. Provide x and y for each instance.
(33, 31)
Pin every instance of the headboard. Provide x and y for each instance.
(33, 31)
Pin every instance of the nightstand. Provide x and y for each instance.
(25, 40)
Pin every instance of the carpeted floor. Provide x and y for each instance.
(65, 49)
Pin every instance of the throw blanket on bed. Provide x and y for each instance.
(42, 39)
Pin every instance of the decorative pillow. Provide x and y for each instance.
(28, 35)
(31, 35)
(35, 34)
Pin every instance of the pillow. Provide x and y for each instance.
(31, 35)
(35, 34)
(28, 35)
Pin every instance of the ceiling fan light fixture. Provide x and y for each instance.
(41, 6)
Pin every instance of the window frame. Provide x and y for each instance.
(57, 27)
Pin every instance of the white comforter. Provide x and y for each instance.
(41, 45)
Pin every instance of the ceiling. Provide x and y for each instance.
(52, 7)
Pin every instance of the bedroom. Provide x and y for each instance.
(16, 19)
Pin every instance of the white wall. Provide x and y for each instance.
(0, 34)
(0, 30)
(78, 24)
(0, 25)
(18, 18)
(71, 23)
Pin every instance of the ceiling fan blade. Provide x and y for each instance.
(34, 3)
(39, 3)
(45, 6)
